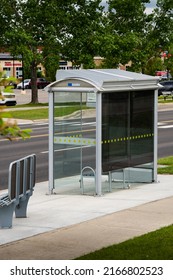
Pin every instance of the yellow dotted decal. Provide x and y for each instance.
(73, 140)
(78, 140)
(124, 139)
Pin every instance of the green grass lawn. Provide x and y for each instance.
(166, 165)
(42, 113)
(34, 114)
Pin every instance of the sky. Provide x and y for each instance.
(149, 7)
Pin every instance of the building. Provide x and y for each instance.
(11, 65)
(67, 65)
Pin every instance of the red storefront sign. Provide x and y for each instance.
(11, 64)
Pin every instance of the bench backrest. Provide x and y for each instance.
(12, 181)
(22, 174)
(30, 168)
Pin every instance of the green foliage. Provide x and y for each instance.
(126, 24)
(51, 60)
(162, 30)
(153, 64)
(46, 30)
(43, 30)
(163, 18)
(165, 99)
(8, 127)
(81, 41)
(33, 28)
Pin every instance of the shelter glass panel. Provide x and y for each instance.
(141, 127)
(127, 130)
(74, 139)
(67, 131)
(115, 130)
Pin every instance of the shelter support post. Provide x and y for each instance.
(99, 144)
(51, 141)
(155, 134)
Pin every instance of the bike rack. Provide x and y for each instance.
(92, 174)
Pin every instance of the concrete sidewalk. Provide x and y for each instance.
(68, 226)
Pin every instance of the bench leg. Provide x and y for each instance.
(21, 208)
(6, 216)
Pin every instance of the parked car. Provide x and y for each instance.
(166, 88)
(7, 98)
(25, 83)
(41, 83)
(12, 84)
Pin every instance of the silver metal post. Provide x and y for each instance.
(98, 144)
(110, 181)
(51, 141)
(155, 134)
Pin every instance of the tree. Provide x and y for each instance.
(163, 20)
(81, 40)
(32, 28)
(41, 30)
(162, 31)
(5, 18)
(35, 25)
(126, 33)
(51, 60)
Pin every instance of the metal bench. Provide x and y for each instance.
(21, 182)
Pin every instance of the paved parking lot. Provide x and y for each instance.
(24, 97)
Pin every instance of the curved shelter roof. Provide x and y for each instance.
(101, 80)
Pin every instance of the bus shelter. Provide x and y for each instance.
(102, 124)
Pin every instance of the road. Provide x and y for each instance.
(165, 133)
(38, 144)
(14, 150)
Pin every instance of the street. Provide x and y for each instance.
(165, 133)
(38, 144)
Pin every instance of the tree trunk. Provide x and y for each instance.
(34, 90)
